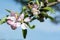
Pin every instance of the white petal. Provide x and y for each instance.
(19, 19)
(34, 9)
(22, 16)
(18, 24)
(42, 4)
(24, 26)
(28, 19)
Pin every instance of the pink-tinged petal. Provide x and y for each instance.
(19, 19)
(35, 6)
(9, 22)
(12, 24)
(22, 16)
(24, 26)
(28, 19)
(12, 13)
(18, 24)
(11, 18)
(13, 27)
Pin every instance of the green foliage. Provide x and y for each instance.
(51, 1)
(31, 27)
(51, 18)
(49, 9)
(41, 13)
(37, 2)
(8, 10)
(3, 20)
(24, 33)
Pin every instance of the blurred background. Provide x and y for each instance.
(44, 30)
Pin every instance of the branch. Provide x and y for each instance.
(52, 4)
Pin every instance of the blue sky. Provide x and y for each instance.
(43, 31)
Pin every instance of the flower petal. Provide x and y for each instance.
(12, 24)
(13, 27)
(22, 16)
(18, 24)
(28, 19)
(35, 11)
(24, 26)
(35, 6)
(41, 4)
(11, 18)
(9, 22)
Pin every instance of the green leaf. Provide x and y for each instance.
(26, 14)
(3, 20)
(31, 27)
(45, 15)
(24, 33)
(33, 19)
(52, 1)
(24, 8)
(41, 19)
(51, 18)
(8, 10)
(37, 2)
(49, 8)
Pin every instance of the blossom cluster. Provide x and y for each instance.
(33, 10)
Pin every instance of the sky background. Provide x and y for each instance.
(43, 31)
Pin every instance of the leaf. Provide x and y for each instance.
(41, 19)
(24, 8)
(51, 18)
(45, 10)
(26, 14)
(8, 10)
(24, 33)
(33, 19)
(45, 15)
(52, 1)
(37, 2)
(49, 8)
(3, 20)
(31, 27)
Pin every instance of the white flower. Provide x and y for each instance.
(14, 23)
(22, 20)
(35, 11)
